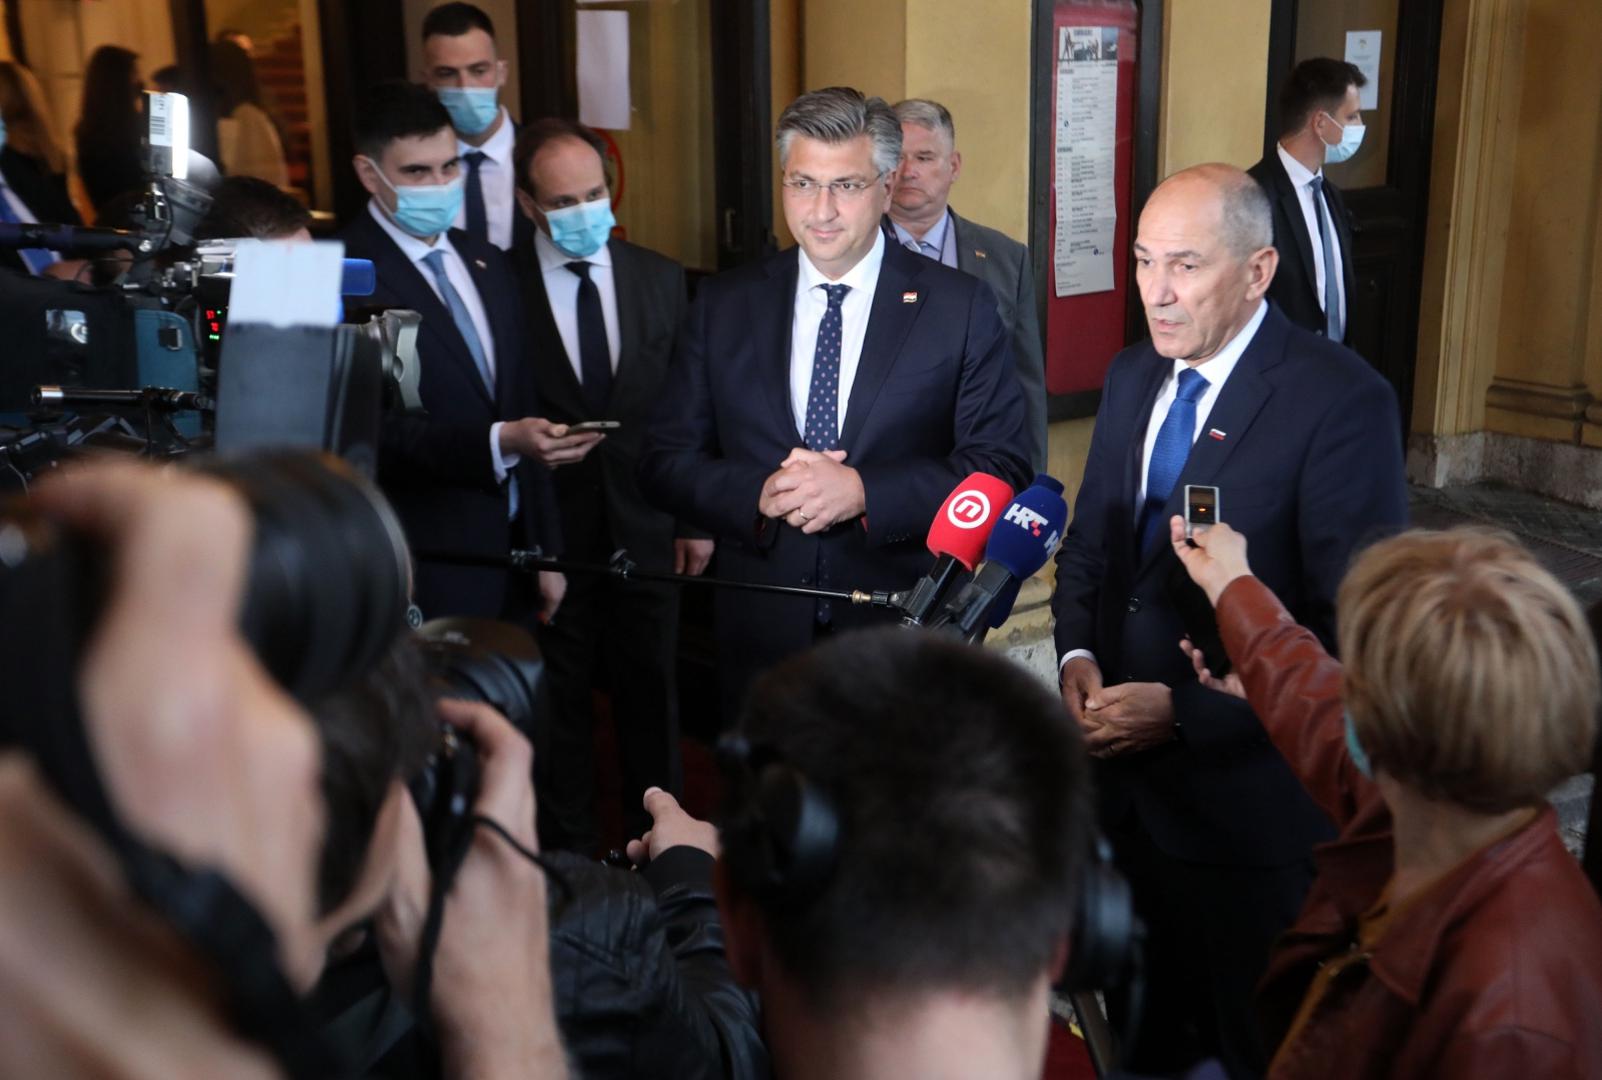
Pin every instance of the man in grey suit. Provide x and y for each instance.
(922, 220)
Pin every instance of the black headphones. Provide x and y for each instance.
(784, 829)
(786, 835)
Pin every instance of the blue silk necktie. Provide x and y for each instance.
(1326, 239)
(1168, 455)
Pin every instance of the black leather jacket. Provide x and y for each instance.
(642, 985)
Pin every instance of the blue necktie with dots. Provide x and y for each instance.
(823, 399)
(1168, 455)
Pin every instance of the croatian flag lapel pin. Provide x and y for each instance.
(909, 298)
(1214, 433)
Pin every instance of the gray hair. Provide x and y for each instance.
(839, 114)
(1248, 217)
(927, 114)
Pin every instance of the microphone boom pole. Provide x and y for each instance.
(624, 569)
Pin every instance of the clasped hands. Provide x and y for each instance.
(813, 490)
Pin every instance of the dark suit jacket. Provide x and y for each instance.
(43, 192)
(1309, 469)
(934, 399)
(1295, 285)
(1002, 263)
(437, 469)
(600, 499)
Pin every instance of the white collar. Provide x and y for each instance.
(554, 258)
(935, 237)
(414, 248)
(866, 270)
(1299, 176)
(498, 148)
(1216, 368)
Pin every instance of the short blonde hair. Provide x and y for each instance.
(1471, 675)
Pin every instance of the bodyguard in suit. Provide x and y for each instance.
(1312, 230)
(461, 65)
(1302, 439)
(603, 315)
(826, 400)
(922, 220)
(470, 476)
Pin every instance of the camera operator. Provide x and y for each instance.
(246, 206)
(203, 757)
(1448, 932)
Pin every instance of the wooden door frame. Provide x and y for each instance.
(1415, 65)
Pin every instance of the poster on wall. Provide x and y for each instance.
(1363, 53)
(603, 69)
(1087, 125)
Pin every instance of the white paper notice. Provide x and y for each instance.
(1086, 141)
(1363, 53)
(284, 283)
(603, 69)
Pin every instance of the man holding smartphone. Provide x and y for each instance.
(1303, 440)
(604, 316)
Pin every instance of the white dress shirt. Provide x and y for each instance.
(561, 289)
(941, 238)
(456, 271)
(1302, 181)
(497, 181)
(1216, 369)
(811, 304)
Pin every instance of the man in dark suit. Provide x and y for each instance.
(922, 220)
(827, 399)
(469, 477)
(1302, 440)
(603, 315)
(461, 65)
(1320, 122)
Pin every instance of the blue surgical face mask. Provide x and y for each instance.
(1351, 139)
(1355, 748)
(473, 108)
(423, 210)
(582, 230)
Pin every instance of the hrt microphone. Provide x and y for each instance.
(956, 540)
(1019, 545)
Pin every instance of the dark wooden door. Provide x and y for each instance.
(1387, 183)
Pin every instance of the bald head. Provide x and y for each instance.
(1204, 258)
(1240, 210)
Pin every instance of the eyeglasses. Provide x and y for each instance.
(845, 190)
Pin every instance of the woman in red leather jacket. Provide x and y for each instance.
(1448, 933)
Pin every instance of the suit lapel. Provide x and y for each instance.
(500, 319)
(968, 256)
(405, 279)
(625, 285)
(888, 323)
(1290, 204)
(1146, 397)
(774, 315)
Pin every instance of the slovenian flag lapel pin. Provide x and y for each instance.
(1216, 434)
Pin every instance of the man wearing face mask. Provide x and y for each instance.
(603, 318)
(1320, 124)
(457, 476)
(461, 65)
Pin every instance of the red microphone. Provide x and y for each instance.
(957, 540)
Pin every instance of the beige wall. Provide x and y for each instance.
(860, 43)
(1215, 65)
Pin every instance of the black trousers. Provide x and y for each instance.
(1209, 931)
(627, 630)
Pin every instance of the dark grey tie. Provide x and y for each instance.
(1326, 239)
